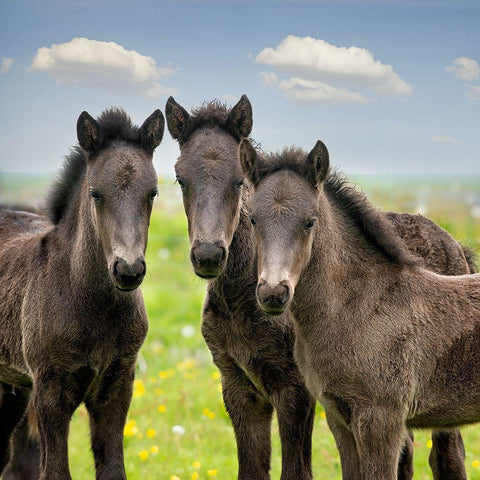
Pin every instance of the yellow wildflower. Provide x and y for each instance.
(322, 415)
(212, 473)
(429, 443)
(162, 408)
(151, 432)
(138, 388)
(174, 477)
(216, 375)
(476, 464)
(130, 428)
(143, 454)
(154, 449)
(194, 476)
(196, 465)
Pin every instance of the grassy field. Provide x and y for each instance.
(178, 427)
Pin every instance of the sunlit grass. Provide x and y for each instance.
(177, 426)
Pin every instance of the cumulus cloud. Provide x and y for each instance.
(333, 69)
(443, 139)
(312, 91)
(464, 68)
(6, 64)
(104, 65)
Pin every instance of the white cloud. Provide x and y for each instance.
(473, 92)
(464, 68)
(443, 139)
(104, 65)
(317, 60)
(312, 91)
(6, 64)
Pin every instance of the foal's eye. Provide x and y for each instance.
(181, 182)
(153, 194)
(311, 224)
(239, 183)
(252, 221)
(96, 196)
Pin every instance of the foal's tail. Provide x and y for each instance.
(471, 257)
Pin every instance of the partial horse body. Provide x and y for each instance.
(73, 318)
(383, 343)
(254, 352)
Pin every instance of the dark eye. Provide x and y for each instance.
(239, 183)
(252, 221)
(96, 196)
(153, 194)
(311, 224)
(181, 183)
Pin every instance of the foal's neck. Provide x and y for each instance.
(82, 245)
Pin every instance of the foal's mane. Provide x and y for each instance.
(349, 198)
(209, 114)
(115, 125)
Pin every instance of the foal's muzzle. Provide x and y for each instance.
(128, 276)
(273, 300)
(208, 259)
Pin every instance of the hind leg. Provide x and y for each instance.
(13, 403)
(447, 456)
(25, 460)
(405, 464)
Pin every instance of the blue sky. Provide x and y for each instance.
(389, 86)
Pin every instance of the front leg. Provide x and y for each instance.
(251, 416)
(296, 411)
(56, 395)
(379, 434)
(346, 445)
(107, 404)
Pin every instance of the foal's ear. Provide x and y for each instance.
(89, 133)
(240, 119)
(318, 164)
(248, 160)
(177, 118)
(151, 132)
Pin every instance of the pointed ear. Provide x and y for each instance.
(177, 118)
(248, 160)
(151, 132)
(89, 133)
(240, 119)
(318, 164)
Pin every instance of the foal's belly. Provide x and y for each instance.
(14, 377)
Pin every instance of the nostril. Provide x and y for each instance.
(223, 254)
(286, 294)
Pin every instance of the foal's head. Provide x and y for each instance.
(121, 183)
(284, 212)
(210, 176)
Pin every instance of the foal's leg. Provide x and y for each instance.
(447, 456)
(25, 460)
(251, 416)
(56, 395)
(379, 435)
(347, 448)
(13, 403)
(296, 411)
(107, 405)
(405, 464)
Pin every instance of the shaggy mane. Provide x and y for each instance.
(349, 198)
(115, 125)
(209, 114)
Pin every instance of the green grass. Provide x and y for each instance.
(175, 370)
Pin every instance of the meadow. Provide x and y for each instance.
(177, 426)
